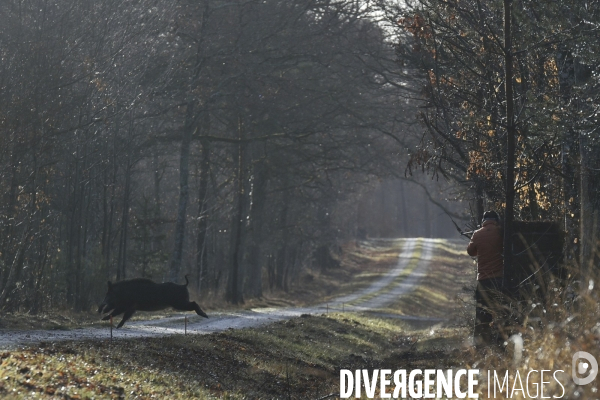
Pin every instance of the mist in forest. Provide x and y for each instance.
(239, 142)
(402, 208)
(233, 142)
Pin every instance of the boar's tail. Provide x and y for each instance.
(186, 280)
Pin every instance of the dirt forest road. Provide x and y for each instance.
(412, 266)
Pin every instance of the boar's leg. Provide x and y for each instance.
(126, 316)
(104, 308)
(198, 309)
(114, 313)
(191, 306)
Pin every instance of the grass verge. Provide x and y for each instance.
(296, 359)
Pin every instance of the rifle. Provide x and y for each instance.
(466, 234)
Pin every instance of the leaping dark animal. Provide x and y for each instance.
(127, 297)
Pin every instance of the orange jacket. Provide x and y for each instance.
(487, 245)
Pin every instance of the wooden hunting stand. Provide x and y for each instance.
(537, 250)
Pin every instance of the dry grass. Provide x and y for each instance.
(296, 359)
(569, 321)
(552, 330)
(48, 320)
(446, 291)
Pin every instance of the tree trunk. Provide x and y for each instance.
(15, 267)
(201, 250)
(589, 207)
(571, 163)
(234, 292)
(427, 215)
(123, 243)
(479, 200)
(81, 295)
(255, 254)
(281, 259)
(510, 134)
(184, 161)
(73, 232)
(11, 216)
(155, 245)
(404, 209)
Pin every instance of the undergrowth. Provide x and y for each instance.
(552, 331)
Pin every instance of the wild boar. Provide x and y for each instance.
(127, 297)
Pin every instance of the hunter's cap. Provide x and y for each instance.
(490, 215)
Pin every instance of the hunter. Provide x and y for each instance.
(487, 245)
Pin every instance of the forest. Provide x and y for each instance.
(511, 108)
(239, 141)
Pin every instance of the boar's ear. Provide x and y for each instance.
(110, 286)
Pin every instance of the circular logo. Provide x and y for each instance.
(584, 363)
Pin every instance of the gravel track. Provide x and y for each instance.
(413, 264)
